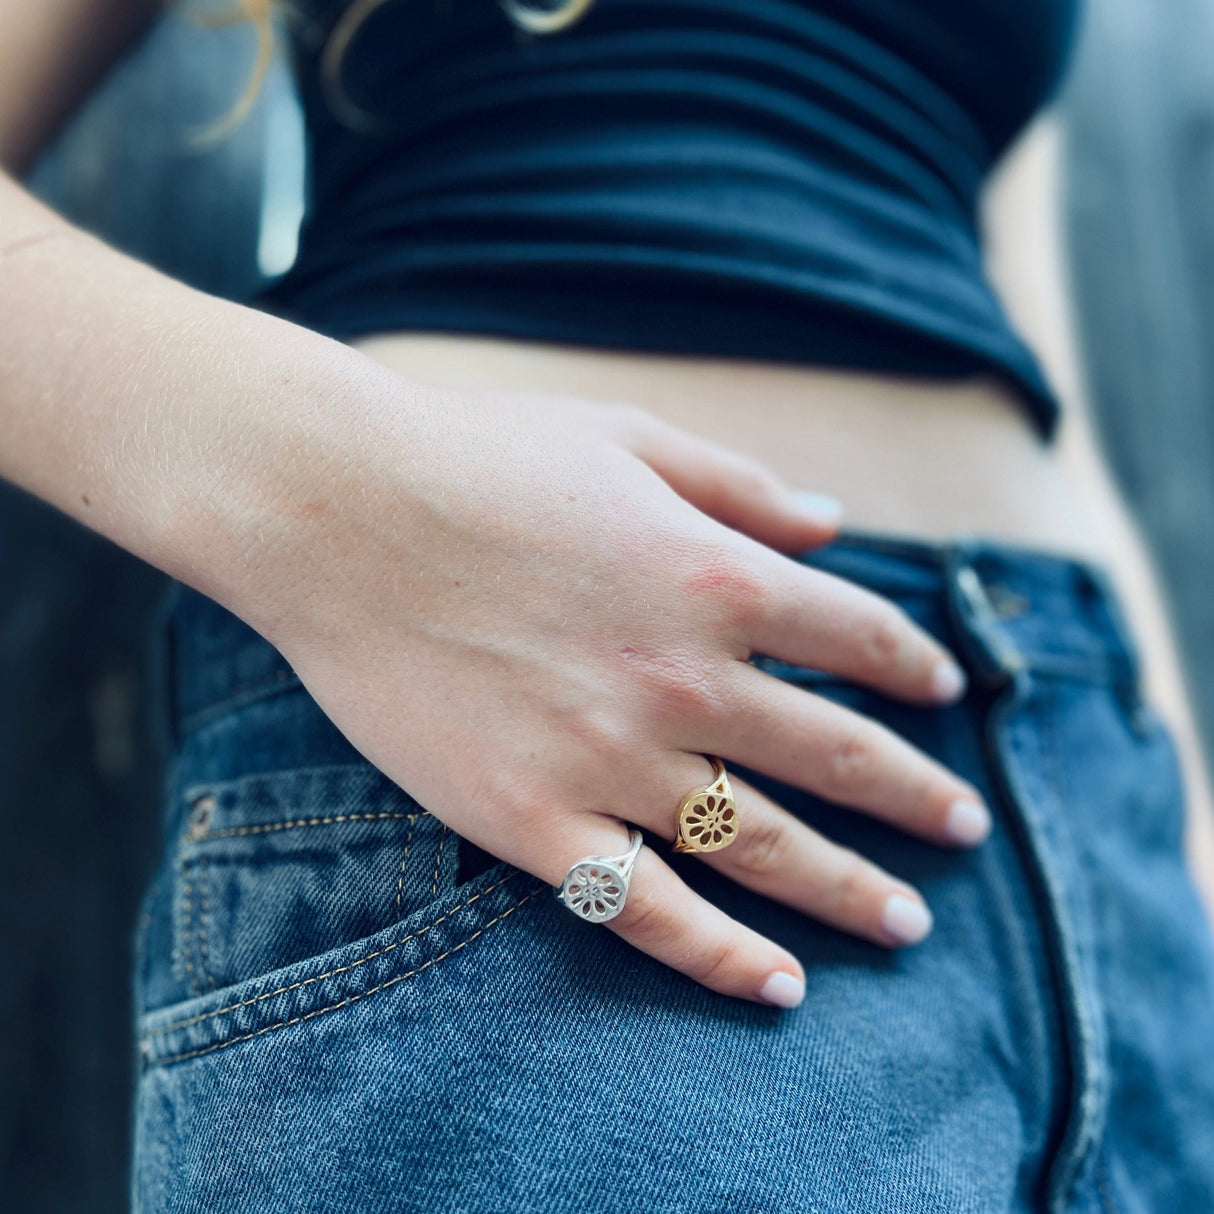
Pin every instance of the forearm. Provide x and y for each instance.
(156, 415)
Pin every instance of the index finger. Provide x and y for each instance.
(811, 618)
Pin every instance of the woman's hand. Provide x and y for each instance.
(535, 615)
(532, 614)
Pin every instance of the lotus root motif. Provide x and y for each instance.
(708, 822)
(594, 891)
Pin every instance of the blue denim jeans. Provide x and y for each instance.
(344, 1007)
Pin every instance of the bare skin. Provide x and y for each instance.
(919, 458)
(579, 579)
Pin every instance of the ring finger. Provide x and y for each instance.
(777, 855)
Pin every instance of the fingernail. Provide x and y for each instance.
(967, 822)
(782, 990)
(820, 509)
(905, 919)
(948, 682)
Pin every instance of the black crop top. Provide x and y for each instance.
(781, 179)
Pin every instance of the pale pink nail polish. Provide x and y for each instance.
(948, 682)
(968, 822)
(905, 919)
(782, 990)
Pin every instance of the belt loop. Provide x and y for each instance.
(1127, 677)
(991, 653)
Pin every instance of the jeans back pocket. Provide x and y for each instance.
(276, 867)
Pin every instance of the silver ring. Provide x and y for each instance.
(595, 888)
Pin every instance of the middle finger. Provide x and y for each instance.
(779, 856)
(809, 617)
(808, 741)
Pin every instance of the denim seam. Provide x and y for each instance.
(186, 935)
(1064, 1167)
(341, 969)
(404, 860)
(204, 952)
(1097, 671)
(1104, 1188)
(438, 861)
(1093, 1099)
(269, 1028)
(299, 822)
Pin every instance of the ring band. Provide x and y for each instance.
(708, 817)
(595, 888)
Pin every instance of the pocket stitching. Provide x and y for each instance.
(268, 827)
(341, 969)
(195, 877)
(204, 910)
(186, 933)
(438, 861)
(269, 1028)
(404, 860)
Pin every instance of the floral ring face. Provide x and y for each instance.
(594, 890)
(708, 817)
(596, 886)
(709, 822)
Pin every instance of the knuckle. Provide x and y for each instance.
(749, 478)
(524, 808)
(762, 848)
(685, 693)
(851, 765)
(852, 888)
(714, 964)
(599, 732)
(636, 420)
(884, 641)
(734, 592)
(645, 919)
(492, 785)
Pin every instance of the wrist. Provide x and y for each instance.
(209, 439)
(287, 439)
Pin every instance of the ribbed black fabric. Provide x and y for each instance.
(752, 178)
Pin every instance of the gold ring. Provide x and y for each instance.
(708, 818)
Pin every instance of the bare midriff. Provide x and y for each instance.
(930, 459)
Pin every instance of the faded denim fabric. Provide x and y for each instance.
(345, 1008)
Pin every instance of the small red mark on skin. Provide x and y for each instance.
(728, 590)
(312, 509)
(710, 579)
(628, 652)
(84, 497)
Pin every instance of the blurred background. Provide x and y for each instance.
(82, 743)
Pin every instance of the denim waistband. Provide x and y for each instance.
(1084, 876)
(1014, 609)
